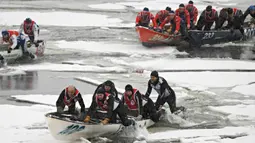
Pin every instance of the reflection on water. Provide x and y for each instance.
(26, 81)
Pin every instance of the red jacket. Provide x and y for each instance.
(193, 12)
(161, 15)
(211, 18)
(145, 17)
(11, 32)
(176, 21)
(186, 14)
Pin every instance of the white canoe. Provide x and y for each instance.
(17, 53)
(63, 128)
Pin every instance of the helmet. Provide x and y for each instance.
(128, 87)
(191, 2)
(109, 83)
(209, 8)
(145, 9)
(28, 20)
(154, 73)
(100, 91)
(252, 8)
(230, 10)
(181, 5)
(168, 9)
(5, 33)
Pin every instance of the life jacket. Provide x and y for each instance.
(161, 15)
(70, 100)
(144, 17)
(103, 105)
(29, 30)
(11, 32)
(191, 9)
(211, 18)
(131, 102)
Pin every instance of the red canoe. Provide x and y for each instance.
(151, 38)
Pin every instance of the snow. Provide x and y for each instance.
(113, 48)
(202, 135)
(237, 111)
(187, 64)
(65, 67)
(59, 18)
(245, 89)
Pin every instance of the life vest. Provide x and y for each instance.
(11, 32)
(209, 18)
(28, 30)
(131, 102)
(70, 100)
(161, 15)
(145, 17)
(103, 105)
(190, 8)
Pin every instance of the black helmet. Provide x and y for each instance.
(100, 91)
(154, 73)
(168, 9)
(28, 20)
(209, 8)
(109, 83)
(230, 10)
(191, 2)
(181, 5)
(128, 87)
(145, 9)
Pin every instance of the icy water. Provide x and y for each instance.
(96, 40)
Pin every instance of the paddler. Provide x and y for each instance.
(144, 17)
(31, 29)
(250, 11)
(109, 87)
(161, 15)
(193, 13)
(175, 21)
(184, 15)
(106, 108)
(68, 97)
(138, 105)
(16, 42)
(207, 18)
(165, 92)
(234, 18)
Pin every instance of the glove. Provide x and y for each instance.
(87, 119)
(105, 121)
(60, 110)
(136, 24)
(188, 26)
(176, 32)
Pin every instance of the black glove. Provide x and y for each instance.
(137, 25)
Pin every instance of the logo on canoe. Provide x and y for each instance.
(157, 37)
(71, 129)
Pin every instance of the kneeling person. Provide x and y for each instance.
(68, 97)
(139, 105)
(105, 107)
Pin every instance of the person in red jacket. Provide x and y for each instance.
(175, 22)
(161, 15)
(193, 13)
(143, 18)
(10, 33)
(207, 18)
(184, 15)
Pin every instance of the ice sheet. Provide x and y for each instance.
(59, 18)
(203, 135)
(237, 111)
(107, 6)
(106, 47)
(160, 64)
(65, 67)
(245, 89)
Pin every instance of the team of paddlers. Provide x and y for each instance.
(186, 17)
